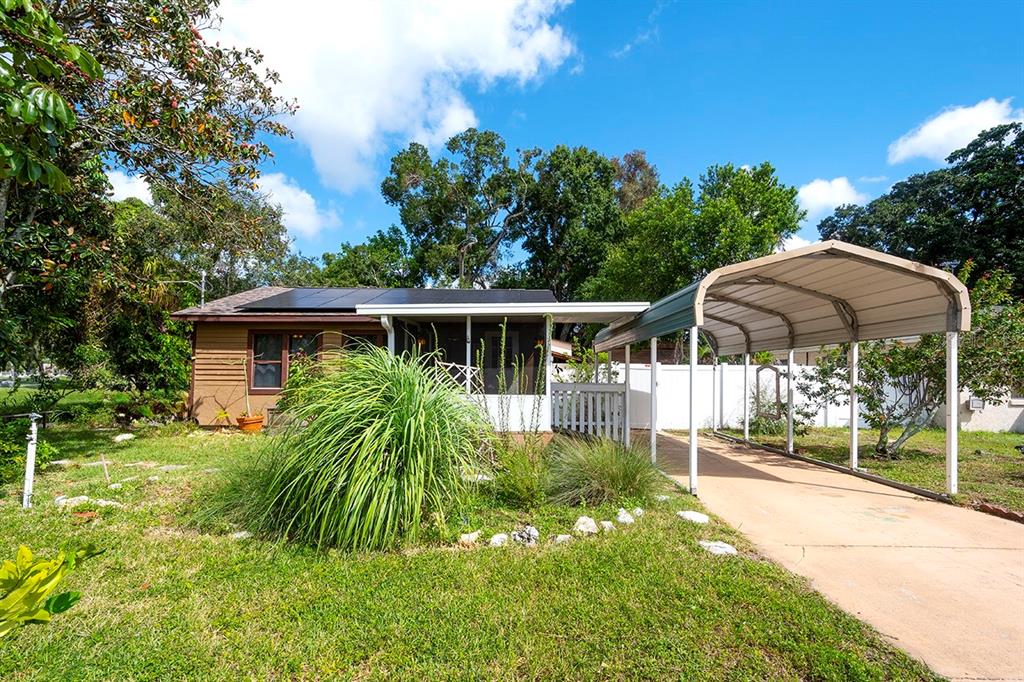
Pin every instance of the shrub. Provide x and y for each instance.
(13, 449)
(521, 473)
(585, 471)
(376, 444)
(27, 585)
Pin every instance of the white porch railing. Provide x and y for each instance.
(590, 409)
(464, 375)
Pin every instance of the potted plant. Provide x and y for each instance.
(247, 421)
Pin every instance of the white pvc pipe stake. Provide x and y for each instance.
(30, 460)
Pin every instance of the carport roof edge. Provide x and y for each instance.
(829, 292)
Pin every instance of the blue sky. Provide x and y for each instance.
(821, 90)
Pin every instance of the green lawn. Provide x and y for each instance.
(991, 470)
(168, 602)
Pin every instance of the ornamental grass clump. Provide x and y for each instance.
(377, 444)
(600, 471)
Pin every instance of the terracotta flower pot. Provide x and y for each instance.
(254, 423)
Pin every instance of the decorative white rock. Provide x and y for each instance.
(607, 526)
(562, 539)
(65, 501)
(60, 463)
(694, 516)
(469, 539)
(624, 517)
(122, 437)
(152, 479)
(585, 526)
(172, 467)
(107, 503)
(114, 486)
(527, 536)
(499, 540)
(638, 512)
(240, 535)
(718, 547)
(662, 498)
(471, 477)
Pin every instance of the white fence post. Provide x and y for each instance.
(30, 460)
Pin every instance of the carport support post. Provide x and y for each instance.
(693, 410)
(654, 400)
(789, 401)
(625, 402)
(854, 406)
(714, 393)
(952, 409)
(746, 396)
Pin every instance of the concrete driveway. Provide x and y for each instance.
(944, 583)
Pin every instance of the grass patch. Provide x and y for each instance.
(991, 470)
(645, 602)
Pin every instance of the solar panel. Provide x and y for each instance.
(339, 299)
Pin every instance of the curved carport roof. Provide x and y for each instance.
(825, 293)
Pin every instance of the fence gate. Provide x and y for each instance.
(589, 409)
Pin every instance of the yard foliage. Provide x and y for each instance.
(902, 385)
(593, 472)
(378, 445)
(27, 587)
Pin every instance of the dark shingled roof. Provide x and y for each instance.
(344, 300)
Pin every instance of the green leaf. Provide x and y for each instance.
(59, 603)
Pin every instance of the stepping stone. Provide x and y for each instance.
(498, 540)
(718, 547)
(607, 526)
(108, 503)
(469, 539)
(152, 479)
(562, 539)
(60, 463)
(67, 502)
(527, 536)
(122, 437)
(624, 517)
(240, 535)
(172, 467)
(97, 463)
(585, 526)
(143, 465)
(694, 516)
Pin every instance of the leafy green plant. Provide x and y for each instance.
(521, 476)
(27, 585)
(599, 471)
(376, 444)
(13, 443)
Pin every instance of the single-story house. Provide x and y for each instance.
(245, 342)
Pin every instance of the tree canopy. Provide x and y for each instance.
(973, 209)
(675, 237)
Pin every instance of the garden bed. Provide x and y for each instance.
(645, 601)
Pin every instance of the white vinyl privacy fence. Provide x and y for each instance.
(725, 383)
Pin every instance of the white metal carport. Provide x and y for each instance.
(825, 293)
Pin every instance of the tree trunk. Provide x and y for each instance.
(882, 445)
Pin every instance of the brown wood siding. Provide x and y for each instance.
(218, 365)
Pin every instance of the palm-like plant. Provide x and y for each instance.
(377, 443)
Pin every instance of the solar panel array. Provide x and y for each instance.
(345, 300)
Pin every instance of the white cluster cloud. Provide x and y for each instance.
(819, 197)
(301, 214)
(795, 242)
(125, 186)
(952, 129)
(367, 74)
